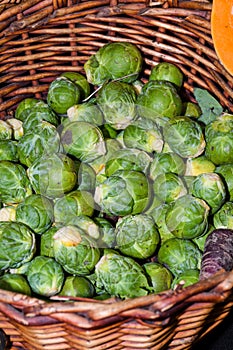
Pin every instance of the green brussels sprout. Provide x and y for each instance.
(226, 173)
(45, 276)
(219, 140)
(117, 100)
(124, 192)
(168, 72)
(86, 112)
(33, 145)
(73, 204)
(186, 278)
(83, 141)
(158, 99)
(179, 255)
(39, 113)
(86, 178)
(167, 162)
(63, 94)
(5, 130)
(15, 283)
(14, 183)
(137, 236)
(77, 286)
(199, 165)
(24, 107)
(36, 212)
(46, 242)
(187, 217)
(112, 61)
(17, 244)
(210, 188)
(17, 128)
(75, 250)
(223, 218)
(107, 232)
(9, 150)
(144, 135)
(128, 159)
(185, 137)
(53, 175)
(8, 213)
(168, 187)
(121, 276)
(81, 81)
(160, 278)
(191, 109)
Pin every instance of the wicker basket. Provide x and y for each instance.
(39, 39)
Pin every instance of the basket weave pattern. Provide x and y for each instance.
(38, 41)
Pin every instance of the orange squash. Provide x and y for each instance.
(222, 32)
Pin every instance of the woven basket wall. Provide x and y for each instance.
(40, 39)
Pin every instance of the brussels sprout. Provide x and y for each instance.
(63, 94)
(143, 134)
(75, 251)
(168, 187)
(117, 100)
(14, 183)
(24, 107)
(86, 178)
(226, 173)
(124, 192)
(219, 140)
(86, 112)
(187, 217)
(39, 113)
(9, 150)
(33, 144)
(223, 218)
(35, 211)
(83, 140)
(73, 204)
(107, 233)
(77, 286)
(137, 236)
(167, 162)
(199, 165)
(46, 242)
(114, 60)
(128, 159)
(5, 130)
(45, 276)
(53, 175)
(15, 283)
(81, 81)
(121, 276)
(186, 278)
(179, 255)
(17, 128)
(185, 137)
(17, 244)
(159, 99)
(160, 278)
(191, 109)
(8, 213)
(210, 188)
(168, 72)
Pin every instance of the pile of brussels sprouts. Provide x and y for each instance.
(110, 186)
